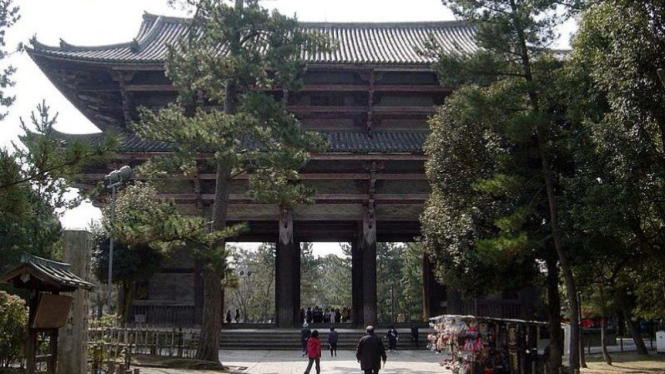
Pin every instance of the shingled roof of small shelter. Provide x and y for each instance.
(395, 43)
(339, 141)
(45, 275)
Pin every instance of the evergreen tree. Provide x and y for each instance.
(496, 153)
(229, 56)
(616, 200)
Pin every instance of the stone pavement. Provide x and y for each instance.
(284, 362)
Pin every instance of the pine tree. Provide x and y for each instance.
(232, 56)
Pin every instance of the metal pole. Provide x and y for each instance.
(110, 277)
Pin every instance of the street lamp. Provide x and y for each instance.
(114, 180)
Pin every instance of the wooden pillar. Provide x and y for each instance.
(357, 281)
(76, 249)
(285, 282)
(31, 344)
(369, 266)
(433, 292)
(198, 292)
(295, 270)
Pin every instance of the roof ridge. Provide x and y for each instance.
(451, 23)
(28, 258)
(148, 36)
(68, 47)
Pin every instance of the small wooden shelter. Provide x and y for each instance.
(48, 309)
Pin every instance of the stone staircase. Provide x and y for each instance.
(289, 339)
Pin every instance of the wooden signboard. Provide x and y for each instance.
(52, 311)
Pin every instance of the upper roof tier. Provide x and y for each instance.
(357, 43)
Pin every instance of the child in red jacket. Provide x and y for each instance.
(314, 352)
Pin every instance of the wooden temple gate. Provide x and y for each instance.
(371, 98)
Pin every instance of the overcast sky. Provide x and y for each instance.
(98, 22)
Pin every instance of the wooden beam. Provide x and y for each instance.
(306, 88)
(326, 109)
(317, 157)
(411, 88)
(151, 88)
(301, 176)
(319, 198)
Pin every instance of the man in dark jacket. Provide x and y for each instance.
(370, 352)
(333, 337)
(305, 333)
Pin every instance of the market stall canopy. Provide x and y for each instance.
(36, 273)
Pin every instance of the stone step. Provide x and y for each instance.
(281, 339)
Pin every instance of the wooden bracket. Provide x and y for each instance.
(371, 192)
(197, 189)
(126, 97)
(370, 102)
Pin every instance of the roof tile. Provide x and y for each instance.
(358, 43)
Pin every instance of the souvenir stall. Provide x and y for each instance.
(480, 345)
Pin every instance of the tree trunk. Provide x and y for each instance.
(569, 281)
(633, 329)
(211, 321)
(603, 327)
(554, 315)
(127, 299)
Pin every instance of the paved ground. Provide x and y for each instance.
(275, 362)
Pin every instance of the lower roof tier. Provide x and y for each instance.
(341, 141)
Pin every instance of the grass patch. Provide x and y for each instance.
(627, 362)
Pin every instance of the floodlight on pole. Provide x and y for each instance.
(114, 180)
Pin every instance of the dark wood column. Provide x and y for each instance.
(369, 266)
(295, 270)
(357, 280)
(198, 292)
(433, 292)
(285, 295)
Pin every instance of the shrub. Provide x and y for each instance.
(13, 320)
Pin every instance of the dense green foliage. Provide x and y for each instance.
(35, 177)
(399, 281)
(619, 101)
(13, 321)
(498, 149)
(254, 291)
(9, 15)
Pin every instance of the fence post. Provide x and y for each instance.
(180, 341)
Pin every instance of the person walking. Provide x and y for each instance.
(370, 352)
(310, 315)
(305, 334)
(237, 315)
(314, 352)
(414, 335)
(392, 339)
(333, 338)
(228, 316)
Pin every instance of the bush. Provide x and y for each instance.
(13, 321)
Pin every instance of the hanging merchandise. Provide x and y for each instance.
(480, 345)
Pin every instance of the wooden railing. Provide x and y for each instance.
(181, 315)
(118, 342)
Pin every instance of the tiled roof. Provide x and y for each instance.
(51, 274)
(340, 141)
(358, 43)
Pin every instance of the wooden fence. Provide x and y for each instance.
(117, 341)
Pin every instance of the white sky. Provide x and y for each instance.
(98, 22)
